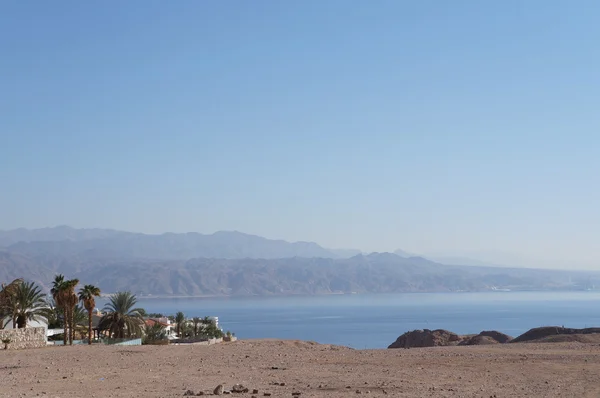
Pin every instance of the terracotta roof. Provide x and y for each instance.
(152, 322)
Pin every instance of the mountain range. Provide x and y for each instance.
(233, 263)
(169, 246)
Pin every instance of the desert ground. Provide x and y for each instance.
(286, 368)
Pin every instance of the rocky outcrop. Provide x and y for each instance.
(499, 337)
(486, 337)
(440, 337)
(426, 338)
(478, 340)
(549, 333)
(24, 338)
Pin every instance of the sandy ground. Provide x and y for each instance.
(513, 370)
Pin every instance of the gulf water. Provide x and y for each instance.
(375, 321)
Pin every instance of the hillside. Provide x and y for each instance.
(375, 273)
(233, 263)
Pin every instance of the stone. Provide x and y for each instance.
(219, 390)
(189, 393)
(239, 388)
(255, 391)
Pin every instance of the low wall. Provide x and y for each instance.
(204, 342)
(24, 338)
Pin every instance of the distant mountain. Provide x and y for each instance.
(373, 273)
(169, 246)
(234, 263)
(60, 233)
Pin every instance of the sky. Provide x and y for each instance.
(463, 127)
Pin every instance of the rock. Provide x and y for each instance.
(426, 338)
(219, 390)
(499, 337)
(479, 340)
(255, 391)
(200, 393)
(550, 334)
(440, 337)
(189, 393)
(238, 388)
(282, 384)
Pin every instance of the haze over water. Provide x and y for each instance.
(375, 321)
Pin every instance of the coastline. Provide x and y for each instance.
(457, 292)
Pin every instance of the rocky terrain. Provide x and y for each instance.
(544, 334)
(440, 337)
(302, 369)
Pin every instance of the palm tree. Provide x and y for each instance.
(63, 292)
(197, 321)
(70, 301)
(58, 293)
(7, 302)
(179, 321)
(30, 303)
(122, 319)
(87, 295)
(154, 332)
(80, 320)
(53, 314)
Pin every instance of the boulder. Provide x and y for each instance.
(219, 390)
(239, 388)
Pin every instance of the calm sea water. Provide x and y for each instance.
(375, 321)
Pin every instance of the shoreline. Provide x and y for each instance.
(462, 292)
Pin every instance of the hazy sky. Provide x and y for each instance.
(452, 126)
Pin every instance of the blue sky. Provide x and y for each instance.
(462, 127)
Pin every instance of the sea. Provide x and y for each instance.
(372, 321)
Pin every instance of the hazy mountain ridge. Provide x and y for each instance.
(181, 246)
(172, 246)
(233, 263)
(375, 273)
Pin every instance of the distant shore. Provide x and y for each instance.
(227, 296)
